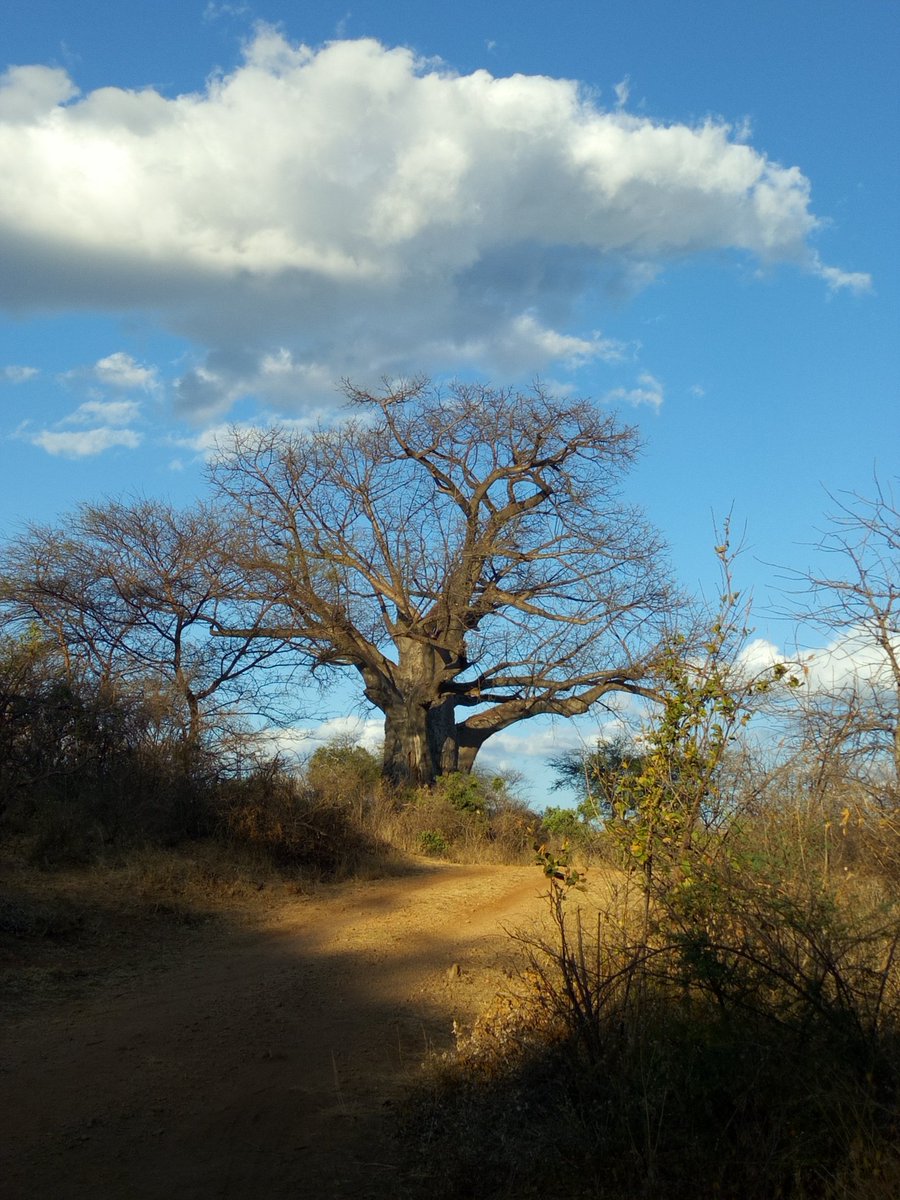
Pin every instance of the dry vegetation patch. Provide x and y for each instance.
(749, 1050)
(67, 932)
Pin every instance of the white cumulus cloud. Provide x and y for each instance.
(365, 213)
(851, 660)
(28, 92)
(760, 654)
(122, 372)
(117, 372)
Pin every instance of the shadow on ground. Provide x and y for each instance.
(261, 1059)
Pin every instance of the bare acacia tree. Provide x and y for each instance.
(129, 591)
(466, 551)
(858, 604)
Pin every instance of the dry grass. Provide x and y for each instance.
(66, 932)
(431, 824)
(747, 1049)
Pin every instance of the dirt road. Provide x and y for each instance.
(262, 1061)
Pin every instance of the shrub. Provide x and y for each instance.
(475, 818)
(729, 1023)
(276, 812)
(748, 1052)
(432, 843)
(344, 773)
(88, 764)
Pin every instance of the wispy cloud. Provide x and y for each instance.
(108, 422)
(218, 437)
(298, 741)
(838, 280)
(84, 443)
(213, 11)
(108, 412)
(15, 374)
(648, 391)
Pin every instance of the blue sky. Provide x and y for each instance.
(211, 212)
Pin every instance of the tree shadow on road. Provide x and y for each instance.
(254, 1059)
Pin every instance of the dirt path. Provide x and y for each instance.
(262, 1062)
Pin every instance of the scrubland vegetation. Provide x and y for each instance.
(91, 773)
(725, 1020)
(744, 1042)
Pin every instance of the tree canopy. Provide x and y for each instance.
(466, 550)
(129, 590)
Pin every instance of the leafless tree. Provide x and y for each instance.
(858, 605)
(466, 551)
(129, 591)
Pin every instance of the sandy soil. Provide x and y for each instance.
(264, 1059)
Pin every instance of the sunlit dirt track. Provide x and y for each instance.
(263, 1061)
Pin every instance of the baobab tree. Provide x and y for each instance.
(466, 551)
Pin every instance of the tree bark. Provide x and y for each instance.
(421, 743)
(407, 757)
(420, 732)
(469, 741)
(194, 720)
(443, 740)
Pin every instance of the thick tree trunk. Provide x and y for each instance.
(419, 742)
(407, 757)
(420, 730)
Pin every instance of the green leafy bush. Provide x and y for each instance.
(564, 824)
(343, 771)
(432, 843)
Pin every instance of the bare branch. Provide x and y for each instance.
(466, 546)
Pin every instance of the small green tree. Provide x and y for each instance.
(601, 778)
(670, 808)
(565, 824)
(342, 770)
